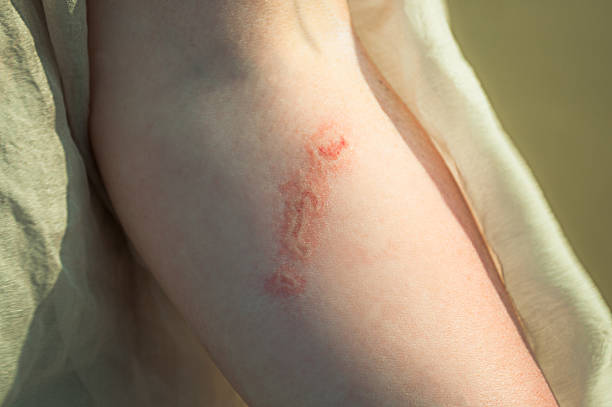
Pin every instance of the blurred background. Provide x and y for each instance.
(546, 67)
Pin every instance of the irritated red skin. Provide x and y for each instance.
(305, 197)
(285, 282)
(333, 149)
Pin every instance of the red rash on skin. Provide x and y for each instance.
(333, 149)
(305, 197)
(285, 282)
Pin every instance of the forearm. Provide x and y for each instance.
(320, 250)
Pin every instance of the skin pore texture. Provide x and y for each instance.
(294, 211)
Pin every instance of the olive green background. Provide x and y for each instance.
(546, 67)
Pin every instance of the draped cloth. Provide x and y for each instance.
(67, 276)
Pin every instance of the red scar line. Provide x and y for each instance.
(305, 197)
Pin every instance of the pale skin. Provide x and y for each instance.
(295, 212)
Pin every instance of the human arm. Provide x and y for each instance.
(300, 219)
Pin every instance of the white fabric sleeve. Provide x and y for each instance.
(566, 321)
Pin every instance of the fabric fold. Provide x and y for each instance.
(567, 323)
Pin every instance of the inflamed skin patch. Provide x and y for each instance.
(305, 197)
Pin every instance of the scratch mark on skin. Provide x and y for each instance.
(296, 215)
(305, 197)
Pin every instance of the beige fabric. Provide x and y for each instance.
(59, 252)
(567, 322)
(70, 330)
(67, 278)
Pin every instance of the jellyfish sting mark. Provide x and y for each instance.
(305, 196)
(285, 282)
(332, 150)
